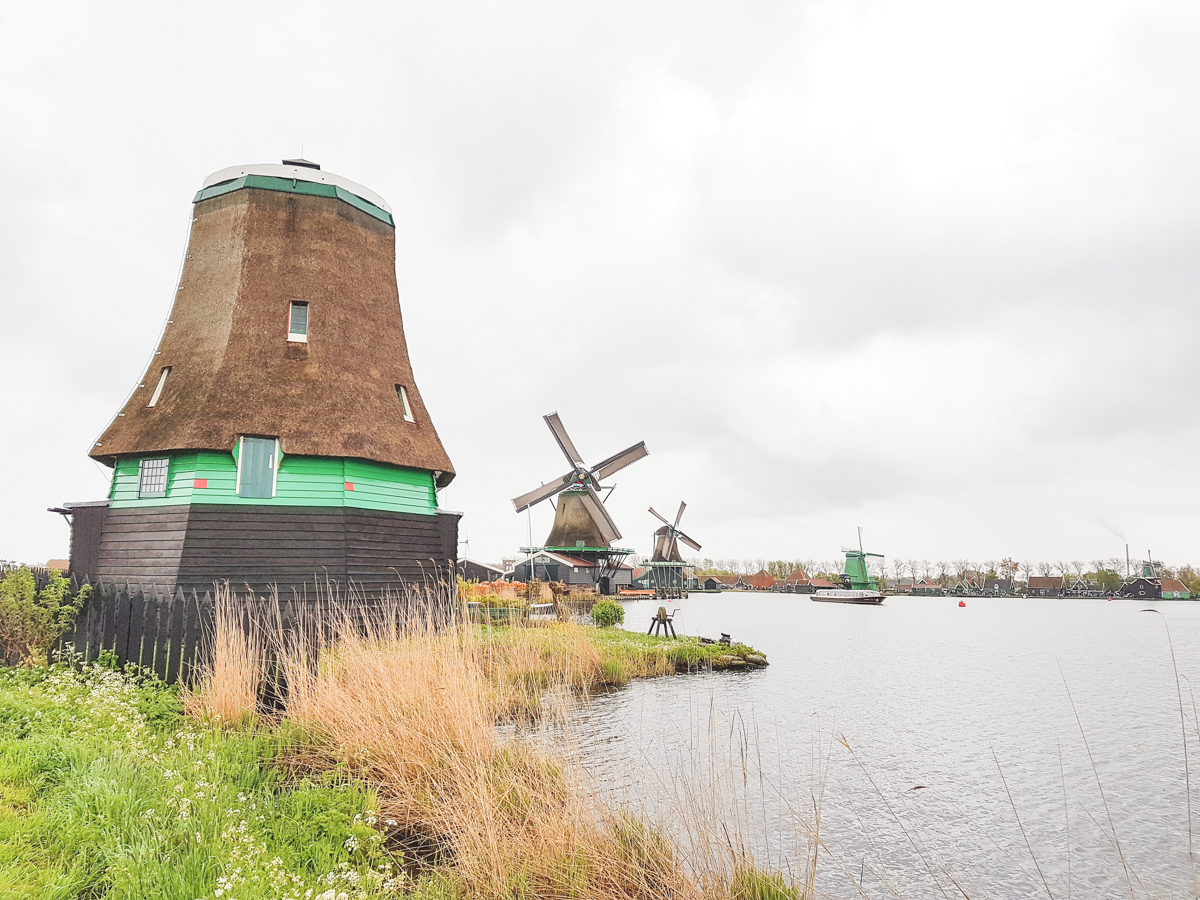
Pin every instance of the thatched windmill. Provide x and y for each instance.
(278, 434)
(668, 574)
(579, 546)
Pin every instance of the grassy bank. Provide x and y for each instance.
(531, 659)
(107, 790)
(383, 776)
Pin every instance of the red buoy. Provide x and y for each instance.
(962, 602)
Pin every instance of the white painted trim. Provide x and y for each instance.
(237, 487)
(297, 338)
(298, 173)
(158, 388)
(407, 407)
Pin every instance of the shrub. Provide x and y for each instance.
(751, 884)
(32, 620)
(607, 612)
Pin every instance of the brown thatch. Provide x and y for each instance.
(251, 253)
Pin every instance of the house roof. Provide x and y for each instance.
(1174, 586)
(760, 579)
(482, 565)
(798, 576)
(822, 583)
(724, 579)
(559, 558)
(1045, 581)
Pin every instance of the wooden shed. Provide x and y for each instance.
(1046, 586)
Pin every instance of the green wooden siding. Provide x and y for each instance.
(295, 186)
(303, 481)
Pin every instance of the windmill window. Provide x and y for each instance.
(298, 322)
(152, 477)
(402, 396)
(158, 388)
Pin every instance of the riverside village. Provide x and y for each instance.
(269, 665)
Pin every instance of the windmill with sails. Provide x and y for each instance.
(579, 548)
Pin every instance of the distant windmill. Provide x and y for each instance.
(667, 538)
(665, 570)
(582, 526)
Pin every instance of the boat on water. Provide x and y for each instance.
(858, 585)
(845, 595)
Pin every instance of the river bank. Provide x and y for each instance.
(383, 774)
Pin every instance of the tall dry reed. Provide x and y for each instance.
(228, 686)
(413, 709)
(414, 712)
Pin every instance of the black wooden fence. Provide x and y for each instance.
(172, 633)
(161, 632)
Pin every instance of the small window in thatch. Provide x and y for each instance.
(298, 322)
(402, 394)
(152, 477)
(158, 388)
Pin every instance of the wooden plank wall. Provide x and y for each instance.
(301, 551)
(141, 545)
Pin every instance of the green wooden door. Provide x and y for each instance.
(256, 467)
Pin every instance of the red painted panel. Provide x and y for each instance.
(200, 483)
(349, 485)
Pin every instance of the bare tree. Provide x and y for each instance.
(961, 567)
(926, 568)
(1077, 567)
(1044, 568)
(1026, 569)
(898, 568)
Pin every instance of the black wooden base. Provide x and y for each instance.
(292, 548)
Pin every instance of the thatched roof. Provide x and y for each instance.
(251, 253)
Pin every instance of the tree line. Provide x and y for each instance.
(1109, 573)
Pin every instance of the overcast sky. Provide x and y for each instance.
(928, 268)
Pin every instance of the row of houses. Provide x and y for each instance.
(1146, 586)
(571, 570)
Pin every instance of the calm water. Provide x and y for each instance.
(959, 701)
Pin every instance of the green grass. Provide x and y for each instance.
(616, 656)
(106, 791)
(686, 653)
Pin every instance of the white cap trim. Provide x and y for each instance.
(299, 173)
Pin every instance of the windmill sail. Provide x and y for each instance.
(581, 519)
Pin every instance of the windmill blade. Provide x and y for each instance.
(679, 515)
(538, 494)
(672, 547)
(660, 518)
(687, 540)
(615, 464)
(595, 507)
(564, 440)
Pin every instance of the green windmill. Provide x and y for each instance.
(856, 577)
